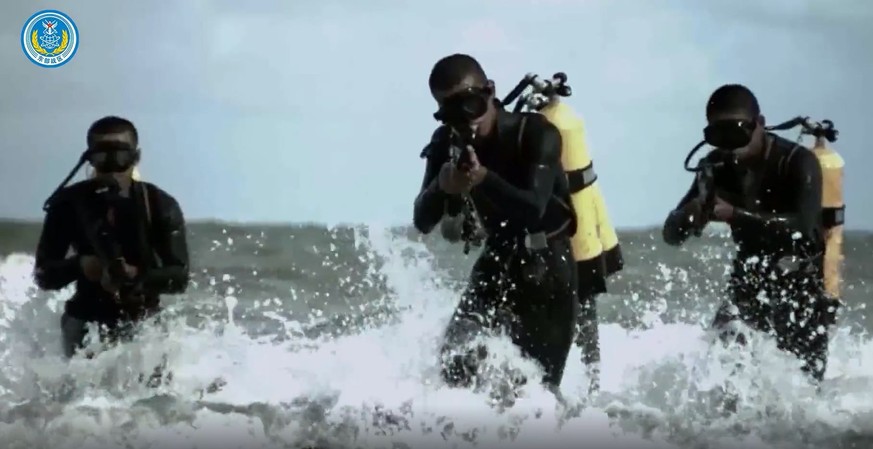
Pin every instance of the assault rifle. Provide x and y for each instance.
(461, 221)
(93, 213)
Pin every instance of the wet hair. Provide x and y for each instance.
(733, 98)
(448, 72)
(112, 125)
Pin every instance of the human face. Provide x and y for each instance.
(468, 104)
(738, 132)
(112, 153)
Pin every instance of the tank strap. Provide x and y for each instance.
(521, 131)
(783, 163)
(564, 227)
(148, 230)
(833, 216)
(582, 178)
(148, 206)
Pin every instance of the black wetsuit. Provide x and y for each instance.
(778, 214)
(151, 237)
(525, 191)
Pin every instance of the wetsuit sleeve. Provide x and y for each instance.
(171, 246)
(785, 229)
(680, 223)
(430, 202)
(527, 204)
(53, 270)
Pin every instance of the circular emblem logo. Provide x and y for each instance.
(49, 38)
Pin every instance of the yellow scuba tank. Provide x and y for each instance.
(595, 236)
(596, 247)
(833, 206)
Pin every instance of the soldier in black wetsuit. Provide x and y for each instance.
(137, 221)
(524, 281)
(769, 190)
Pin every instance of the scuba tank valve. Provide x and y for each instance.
(541, 94)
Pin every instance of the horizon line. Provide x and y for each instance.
(347, 224)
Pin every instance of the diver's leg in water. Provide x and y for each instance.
(124, 332)
(545, 313)
(459, 362)
(743, 306)
(588, 339)
(813, 350)
(802, 328)
(725, 324)
(161, 373)
(591, 279)
(158, 375)
(73, 332)
(113, 333)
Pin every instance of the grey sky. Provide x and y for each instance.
(317, 110)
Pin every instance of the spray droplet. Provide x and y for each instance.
(230, 302)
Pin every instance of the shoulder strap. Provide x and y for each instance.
(146, 231)
(786, 160)
(148, 206)
(521, 131)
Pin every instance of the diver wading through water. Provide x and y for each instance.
(595, 245)
(127, 238)
(783, 203)
(508, 164)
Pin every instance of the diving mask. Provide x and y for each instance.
(465, 106)
(111, 156)
(730, 134)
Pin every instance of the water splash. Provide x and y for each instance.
(379, 385)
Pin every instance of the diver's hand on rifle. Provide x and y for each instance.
(696, 216)
(474, 170)
(452, 180)
(106, 280)
(107, 284)
(723, 211)
(91, 268)
(131, 270)
(455, 180)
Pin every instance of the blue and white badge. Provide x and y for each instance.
(49, 38)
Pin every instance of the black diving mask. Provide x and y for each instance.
(465, 106)
(111, 156)
(730, 134)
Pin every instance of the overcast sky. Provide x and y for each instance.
(317, 110)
